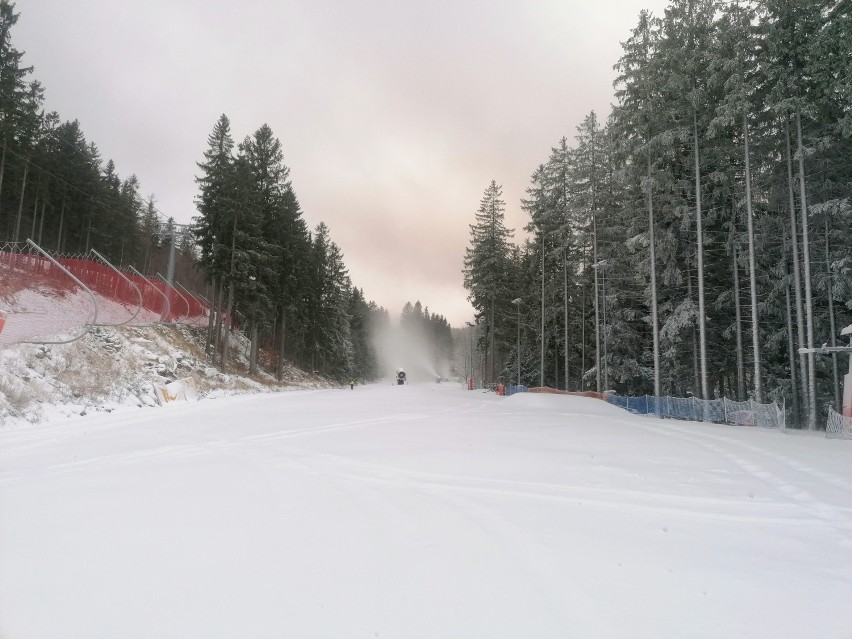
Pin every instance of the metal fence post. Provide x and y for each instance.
(78, 282)
(164, 316)
(126, 279)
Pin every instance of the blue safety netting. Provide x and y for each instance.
(720, 411)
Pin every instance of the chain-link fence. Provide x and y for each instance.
(719, 411)
(838, 426)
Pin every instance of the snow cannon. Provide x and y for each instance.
(400, 377)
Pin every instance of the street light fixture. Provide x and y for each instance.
(517, 302)
(601, 266)
(470, 326)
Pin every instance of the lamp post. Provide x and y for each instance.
(517, 302)
(601, 266)
(470, 334)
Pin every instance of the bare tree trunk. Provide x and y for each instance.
(653, 258)
(542, 311)
(797, 276)
(806, 257)
(493, 343)
(219, 297)
(582, 384)
(253, 350)
(829, 288)
(593, 187)
(556, 364)
(696, 388)
(211, 322)
(702, 327)
(279, 373)
(565, 314)
(41, 223)
(597, 303)
(224, 359)
(740, 364)
(791, 349)
(2, 173)
(21, 202)
(35, 214)
(603, 324)
(61, 222)
(755, 336)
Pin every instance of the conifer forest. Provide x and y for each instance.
(693, 239)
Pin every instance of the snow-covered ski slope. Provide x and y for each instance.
(420, 511)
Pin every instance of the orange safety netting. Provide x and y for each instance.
(39, 298)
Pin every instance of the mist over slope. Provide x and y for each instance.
(398, 348)
(421, 344)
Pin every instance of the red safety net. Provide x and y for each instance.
(40, 299)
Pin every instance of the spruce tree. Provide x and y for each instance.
(486, 267)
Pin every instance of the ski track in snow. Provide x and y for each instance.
(661, 503)
(783, 480)
(475, 516)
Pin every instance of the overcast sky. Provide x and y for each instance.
(394, 116)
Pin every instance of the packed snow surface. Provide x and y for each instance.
(419, 511)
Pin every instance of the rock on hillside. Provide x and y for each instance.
(112, 367)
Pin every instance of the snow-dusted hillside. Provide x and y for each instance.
(116, 366)
(420, 511)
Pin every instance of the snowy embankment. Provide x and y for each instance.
(113, 367)
(420, 511)
(53, 362)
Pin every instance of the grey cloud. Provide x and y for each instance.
(394, 116)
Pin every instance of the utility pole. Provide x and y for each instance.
(806, 258)
(517, 303)
(542, 311)
(654, 319)
(702, 327)
(758, 387)
(830, 291)
(601, 267)
(172, 235)
(797, 276)
(472, 376)
(565, 314)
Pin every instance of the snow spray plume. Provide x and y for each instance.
(408, 347)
